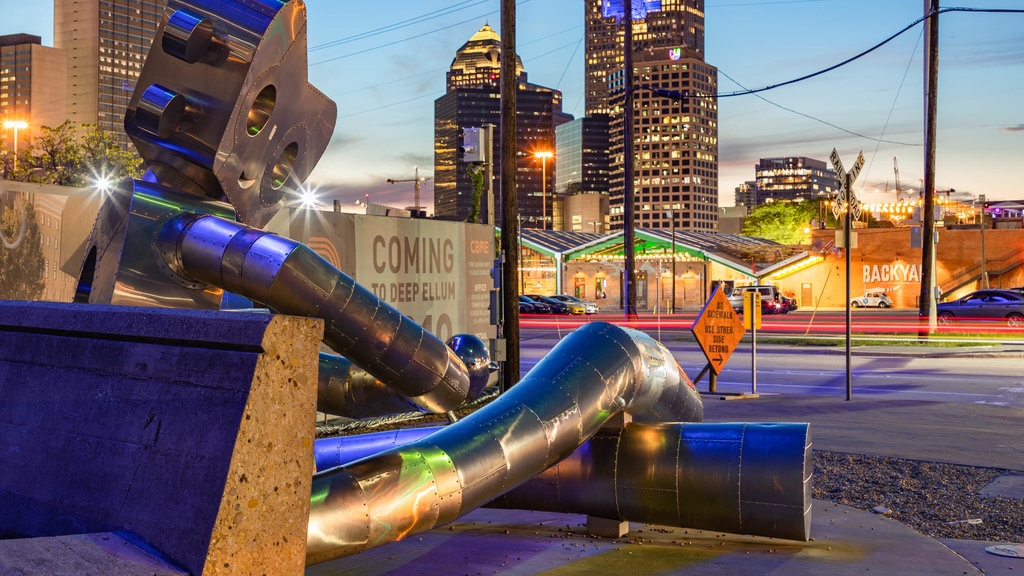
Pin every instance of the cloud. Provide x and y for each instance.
(1012, 129)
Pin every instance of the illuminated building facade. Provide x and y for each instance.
(658, 25)
(789, 178)
(107, 42)
(473, 100)
(675, 146)
(674, 111)
(32, 87)
(582, 170)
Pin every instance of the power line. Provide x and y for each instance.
(746, 92)
(397, 25)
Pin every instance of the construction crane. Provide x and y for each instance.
(899, 191)
(416, 185)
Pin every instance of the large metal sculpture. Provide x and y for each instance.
(228, 125)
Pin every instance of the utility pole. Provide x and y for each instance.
(509, 199)
(628, 234)
(487, 146)
(926, 299)
(984, 270)
(416, 186)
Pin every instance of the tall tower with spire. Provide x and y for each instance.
(472, 100)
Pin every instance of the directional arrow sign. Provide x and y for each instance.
(718, 329)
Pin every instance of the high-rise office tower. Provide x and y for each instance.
(790, 178)
(674, 111)
(658, 25)
(582, 168)
(473, 100)
(107, 42)
(32, 88)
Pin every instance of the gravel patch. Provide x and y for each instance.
(936, 499)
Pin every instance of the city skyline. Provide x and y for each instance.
(385, 69)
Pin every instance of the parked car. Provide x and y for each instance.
(557, 306)
(526, 307)
(788, 304)
(771, 298)
(872, 300)
(1005, 305)
(538, 306)
(588, 307)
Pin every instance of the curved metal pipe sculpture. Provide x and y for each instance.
(344, 389)
(290, 278)
(744, 478)
(590, 377)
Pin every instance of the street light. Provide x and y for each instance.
(16, 124)
(543, 155)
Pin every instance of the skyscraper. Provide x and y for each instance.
(107, 43)
(473, 99)
(582, 167)
(32, 87)
(790, 178)
(674, 111)
(658, 25)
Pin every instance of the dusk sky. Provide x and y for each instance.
(384, 65)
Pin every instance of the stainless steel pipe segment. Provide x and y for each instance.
(597, 372)
(290, 278)
(742, 478)
(731, 477)
(344, 389)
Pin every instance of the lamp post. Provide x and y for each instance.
(543, 155)
(16, 124)
(672, 216)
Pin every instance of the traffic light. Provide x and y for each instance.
(471, 149)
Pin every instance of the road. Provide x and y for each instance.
(975, 374)
(803, 322)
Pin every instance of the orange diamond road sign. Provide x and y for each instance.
(718, 329)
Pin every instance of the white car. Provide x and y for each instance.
(872, 300)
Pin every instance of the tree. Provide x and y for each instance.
(70, 156)
(782, 222)
(105, 158)
(476, 173)
(53, 157)
(22, 266)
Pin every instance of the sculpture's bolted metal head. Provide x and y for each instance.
(223, 107)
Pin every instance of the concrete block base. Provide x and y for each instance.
(607, 527)
(190, 431)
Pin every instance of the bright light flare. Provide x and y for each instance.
(307, 198)
(102, 183)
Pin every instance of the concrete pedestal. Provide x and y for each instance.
(190, 431)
